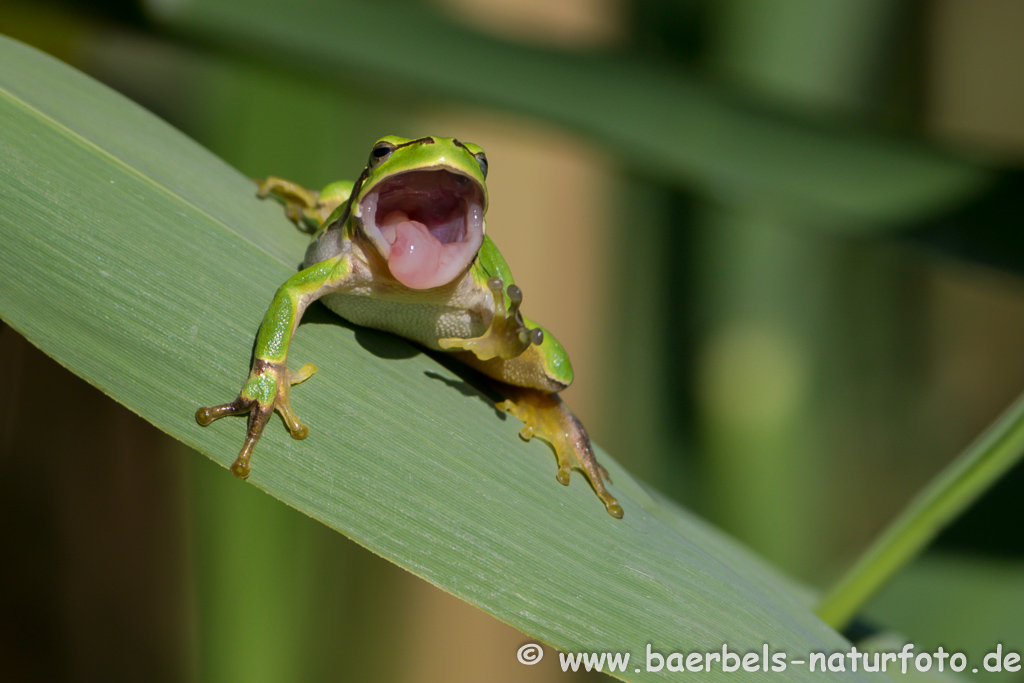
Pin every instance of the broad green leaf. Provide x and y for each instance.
(657, 118)
(143, 263)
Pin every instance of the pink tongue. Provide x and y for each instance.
(415, 255)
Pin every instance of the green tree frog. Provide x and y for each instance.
(403, 249)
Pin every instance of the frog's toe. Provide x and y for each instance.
(547, 417)
(515, 294)
(257, 419)
(265, 392)
(207, 414)
(302, 374)
(507, 336)
(258, 414)
(292, 422)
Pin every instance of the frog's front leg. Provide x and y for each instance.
(267, 388)
(507, 336)
(546, 416)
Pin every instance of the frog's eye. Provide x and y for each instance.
(380, 152)
(481, 159)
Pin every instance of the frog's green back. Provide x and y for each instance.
(492, 263)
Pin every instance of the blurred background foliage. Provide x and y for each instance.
(781, 239)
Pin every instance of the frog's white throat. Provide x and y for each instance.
(428, 225)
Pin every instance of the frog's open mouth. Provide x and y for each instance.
(428, 225)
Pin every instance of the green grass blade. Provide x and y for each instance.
(143, 263)
(658, 119)
(942, 501)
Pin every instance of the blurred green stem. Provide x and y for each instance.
(955, 488)
(776, 290)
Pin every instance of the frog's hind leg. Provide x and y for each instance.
(547, 417)
(302, 206)
(308, 209)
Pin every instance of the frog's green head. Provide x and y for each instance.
(421, 204)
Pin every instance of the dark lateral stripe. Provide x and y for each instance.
(427, 140)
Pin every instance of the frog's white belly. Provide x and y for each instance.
(419, 321)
